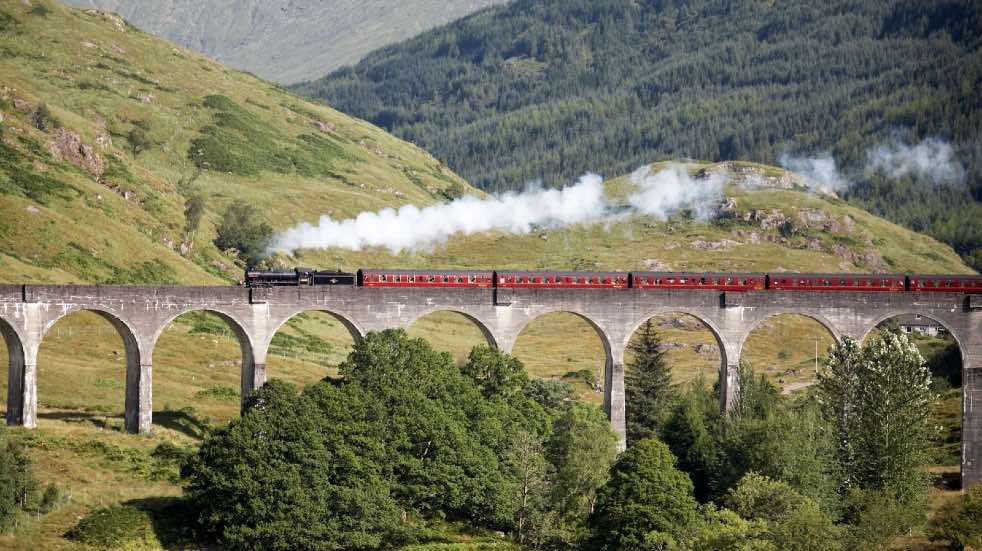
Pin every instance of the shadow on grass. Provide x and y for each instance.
(96, 419)
(172, 521)
(184, 421)
(948, 481)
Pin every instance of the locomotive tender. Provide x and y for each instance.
(773, 281)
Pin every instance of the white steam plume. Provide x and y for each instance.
(821, 174)
(672, 189)
(932, 159)
(413, 228)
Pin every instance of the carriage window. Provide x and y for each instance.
(412, 279)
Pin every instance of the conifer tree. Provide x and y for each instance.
(648, 382)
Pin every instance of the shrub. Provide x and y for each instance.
(114, 526)
(959, 521)
(17, 485)
(242, 229)
(647, 501)
(40, 9)
(138, 140)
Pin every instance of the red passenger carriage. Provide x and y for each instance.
(708, 281)
(426, 278)
(836, 282)
(946, 283)
(562, 280)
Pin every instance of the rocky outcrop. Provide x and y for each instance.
(67, 146)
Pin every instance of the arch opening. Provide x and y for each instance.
(11, 363)
(944, 357)
(451, 331)
(789, 349)
(309, 346)
(82, 367)
(692, 348)
(570, 347)
(198, 360)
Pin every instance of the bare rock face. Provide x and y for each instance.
(870, 258)
(766, 219)
(655, 265)
(67, 146)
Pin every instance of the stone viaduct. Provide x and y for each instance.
(140, 314)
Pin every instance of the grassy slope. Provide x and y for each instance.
(101, 78)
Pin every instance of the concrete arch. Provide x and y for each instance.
(914, 311)
(238, 327)
(15, 371)
(706, 321)
(356, 332)
(604, 338)
(252, 374)
(611, 394)
(137, 364)
(818, 318)
(484, 327)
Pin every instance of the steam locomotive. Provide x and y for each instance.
(774, 281)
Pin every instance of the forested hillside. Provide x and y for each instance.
(547, 90)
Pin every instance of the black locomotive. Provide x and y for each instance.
(297, 277)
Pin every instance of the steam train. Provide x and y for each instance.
(774, 281)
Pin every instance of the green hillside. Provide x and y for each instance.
(78, 203)
(547, 90)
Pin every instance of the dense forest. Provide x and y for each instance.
(548, 90)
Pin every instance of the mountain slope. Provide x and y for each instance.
(79, 203)
(286, 41)
(547, 90)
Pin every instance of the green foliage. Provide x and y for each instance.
(112, 527)
(494, 372)
(19, 177)
(616, 84)
(218, 392)
(645, 498)
(43, 119)
(691, 432)
(240, 143)
(724, 530)
(138, 140)
(959, 521)
(404, 432)
(552, 394)
(794, 522)
(877, 397)
(146, 272)
(581, 450)
(242, 229)
(648, 385)
(875, 518)
(7, 22)
(786, 441)
(317, 482)
(40, 9)
(194, 211)
(17, 485)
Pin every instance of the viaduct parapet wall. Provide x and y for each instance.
(140, 314)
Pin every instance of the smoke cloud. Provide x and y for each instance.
(412, 228)
(932, 159)
(667, 191)
(821, 174)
